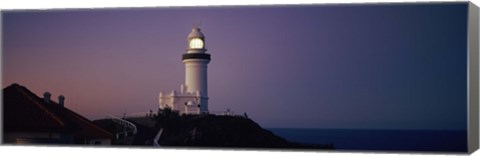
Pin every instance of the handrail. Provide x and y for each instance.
(127, 124)
(157, 137)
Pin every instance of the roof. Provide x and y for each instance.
(26, 112)
(196, 33)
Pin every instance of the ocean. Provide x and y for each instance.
(379, 140)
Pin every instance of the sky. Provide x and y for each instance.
(314, 66)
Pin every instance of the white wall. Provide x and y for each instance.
(177, 102)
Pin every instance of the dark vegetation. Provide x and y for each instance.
(204, 130)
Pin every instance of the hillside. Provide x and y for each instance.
(206, 131)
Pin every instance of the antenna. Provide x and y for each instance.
(197, 24)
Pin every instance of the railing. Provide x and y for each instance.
(157, 137)
(128, 126)
(224, 113)
(229, 113)
(221, 113)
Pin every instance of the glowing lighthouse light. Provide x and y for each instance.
(196, 43)
(193, 95)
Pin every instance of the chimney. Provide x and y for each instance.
(46, 97)
(61, 100)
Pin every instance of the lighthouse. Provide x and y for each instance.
(193, 95)
(196, 61)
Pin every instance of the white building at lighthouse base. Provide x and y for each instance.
(184, 102)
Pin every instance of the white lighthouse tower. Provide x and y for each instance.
(193, 95)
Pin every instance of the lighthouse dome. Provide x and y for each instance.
(196, 33)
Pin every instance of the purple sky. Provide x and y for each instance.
(346, 66)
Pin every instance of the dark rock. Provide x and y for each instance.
(206, 130)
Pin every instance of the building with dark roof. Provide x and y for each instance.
(29, 119)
